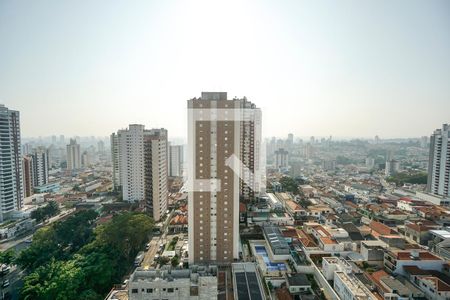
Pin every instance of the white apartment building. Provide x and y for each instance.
(196, 283)
(281, 159)
(176, 160)
(140, 167)
(40, 166)
(392, 167)
(131, 162)
(439, 162)
(11, 184)
(73, 155)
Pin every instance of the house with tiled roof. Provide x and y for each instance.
(419, 232)
(395, 260)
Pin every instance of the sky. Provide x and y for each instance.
(340, 68)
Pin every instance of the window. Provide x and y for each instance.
(170, 290)
(134, 291)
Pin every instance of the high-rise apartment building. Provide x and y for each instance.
(11, 185)
(219, 132)
(73, 155)
(40, 166)
(250, 152)
(176, 160)
(114, 138)
(439, 162)
(392, 167)
(28, 186)
(140, 167)
(281, 159)
(156, 172)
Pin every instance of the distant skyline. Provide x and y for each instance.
(340, 68)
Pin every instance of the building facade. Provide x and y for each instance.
(155, 172)
(392, 167)
(140, 167)
(73, 155)
(114, 138)
(220, 160)
(27, 165)
(40, 166)
(196, 283)
(11, 184)
(439, 162)
(176, 160)
(281, 159)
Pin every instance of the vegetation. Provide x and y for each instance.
(401, 178)
(172, 244)
(46, 212)
(175, 261)
(72, 260)
(7, 257)
(289, 184)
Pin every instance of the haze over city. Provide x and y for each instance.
(346, 69)
(229, 150)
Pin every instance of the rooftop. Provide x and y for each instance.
(298, 279)
(408, 255)
(275, 237)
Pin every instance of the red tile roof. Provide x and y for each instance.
(381, 228)
(423, 255)
(179, 220)
(439, 284)
(242, 207)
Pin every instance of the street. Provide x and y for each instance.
(155, 242)
(16, 274)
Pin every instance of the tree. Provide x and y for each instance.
(7, 257)
(43, 213)
(56, 280)
(67, 260)
(175, 261)
(58, 240)
(289, 184)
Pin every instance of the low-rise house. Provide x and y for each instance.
(373, 252)
(434, 287)
(392, 288)
(279, 247)
(395, 260)
(298, 283)
(178, 223)
(419, 232)
(434, 284)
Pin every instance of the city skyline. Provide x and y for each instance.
(360, 70)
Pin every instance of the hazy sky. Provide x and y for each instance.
(341, 68)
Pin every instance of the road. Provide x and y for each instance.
(15, 276)
(155, 242)
(9, 244)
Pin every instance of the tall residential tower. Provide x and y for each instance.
(176, 160)
(11, 185)
(140, 167)
(439, 162)
(73, 155)
(221, 158)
